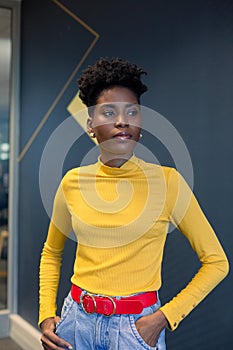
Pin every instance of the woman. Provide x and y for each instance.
(120, 209)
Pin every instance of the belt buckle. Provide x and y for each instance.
(113, 304)
(82, 297)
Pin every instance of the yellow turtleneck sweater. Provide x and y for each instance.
(120, 217)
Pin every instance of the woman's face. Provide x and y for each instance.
(116, 122)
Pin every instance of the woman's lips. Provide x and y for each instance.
(123, 136)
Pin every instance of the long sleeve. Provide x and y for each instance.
(51, 257)
(187, 215)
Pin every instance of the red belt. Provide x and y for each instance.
(108, 306)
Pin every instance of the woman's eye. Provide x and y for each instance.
(132, 113)
(108, 113)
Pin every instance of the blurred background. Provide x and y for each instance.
(186, 47)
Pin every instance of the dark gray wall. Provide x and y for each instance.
(187, 49)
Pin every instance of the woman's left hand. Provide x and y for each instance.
(149, 327)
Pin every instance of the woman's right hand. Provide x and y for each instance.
(50, 341)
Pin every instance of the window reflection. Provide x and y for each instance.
(5, 59)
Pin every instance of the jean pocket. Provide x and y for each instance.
(137, 336)
(67, 306)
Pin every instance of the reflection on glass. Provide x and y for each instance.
(5, 64)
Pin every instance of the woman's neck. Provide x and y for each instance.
(114, 161)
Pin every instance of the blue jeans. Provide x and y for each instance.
(98, 332)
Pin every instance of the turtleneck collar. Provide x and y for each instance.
(129, 166)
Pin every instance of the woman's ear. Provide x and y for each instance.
(89, 127)
(89, 124)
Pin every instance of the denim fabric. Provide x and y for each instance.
(98, 332)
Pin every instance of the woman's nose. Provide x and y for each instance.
(122, 121)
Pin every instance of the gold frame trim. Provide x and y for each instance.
(62, 91)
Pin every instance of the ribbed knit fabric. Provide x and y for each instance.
(121, 217)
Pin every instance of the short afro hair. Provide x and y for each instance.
(106, 73)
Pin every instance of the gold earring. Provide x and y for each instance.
(92, 134)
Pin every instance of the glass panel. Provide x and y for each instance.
(5, 65)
